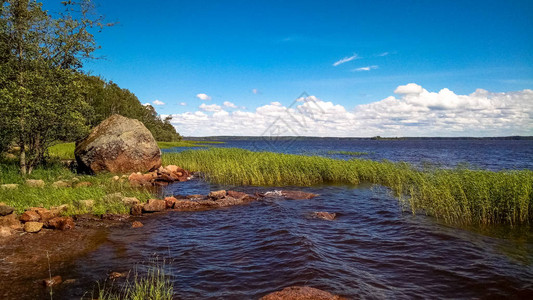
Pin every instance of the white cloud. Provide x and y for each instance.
(229, 104)
(210, 107)
(410, 88)
(203, 97)
(414, 112)
(368, 68)
(183, 104)
(345, 60)
(383, 54)
(158, 102)
(255, 91)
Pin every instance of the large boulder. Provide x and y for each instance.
(118, 145)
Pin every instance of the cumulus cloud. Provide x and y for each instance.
(413, 112)
(203, 97)
(345, 60)
(210, 107)
(183, 104)
(158, 102)
(383, 54)
(368, 68)
(408, 89)
(229, 104)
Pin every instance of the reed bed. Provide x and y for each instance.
(457, 196)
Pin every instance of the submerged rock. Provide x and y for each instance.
(136, 224)
(325, 215)
(291, 195)
(301, 293)
(61, 223)
(118, 145)
(217, 194)
(49, 282)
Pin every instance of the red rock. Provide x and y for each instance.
(217, 194)
(325, 215)
(166, 178)
(297, 195)
(33, 226)
(172, 168)
(11, 221)
(49, 282)
(154, 205)
(30, 216)
(236, 195)
(301, 293)
(137, 179)
(136, 224)
(170, 202)
(46, 214)
(136, 210)
(61, 223)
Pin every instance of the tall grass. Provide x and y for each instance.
(459, 196)
(155, 285)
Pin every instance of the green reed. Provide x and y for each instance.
(459, 196)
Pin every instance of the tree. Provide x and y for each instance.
(40, 86)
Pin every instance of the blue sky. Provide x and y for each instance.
(254, 53)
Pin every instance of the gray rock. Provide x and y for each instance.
(6, 210)
(37, 183)
(118, 145)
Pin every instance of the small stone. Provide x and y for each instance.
(115, 178)
(217, 194)
(49, 282)
(61, 223)
(89, 203)
(82, 184)
(136, 210)
(30, 216)
(172, 168)
(5, 231)
(10, 186)
(170, 201)
(237, 195)
(10, 221)
(37, 183)
(130, 201)
(115, 197)
(325, 215)
(115, 275)
(33, 226)
(60, 184)
(136, 224)
(155, 205)
(6, 210)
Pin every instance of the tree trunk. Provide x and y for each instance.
(22, 159)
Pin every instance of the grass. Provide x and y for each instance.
(349, 153)
(155, 285)
(48, 196)
(457, 196)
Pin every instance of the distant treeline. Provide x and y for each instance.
(284, 138)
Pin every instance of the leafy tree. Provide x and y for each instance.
(40, 85)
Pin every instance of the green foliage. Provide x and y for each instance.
(40, 97)
(458, 196)
(48, 196)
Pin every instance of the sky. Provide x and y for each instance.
(325, 68)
